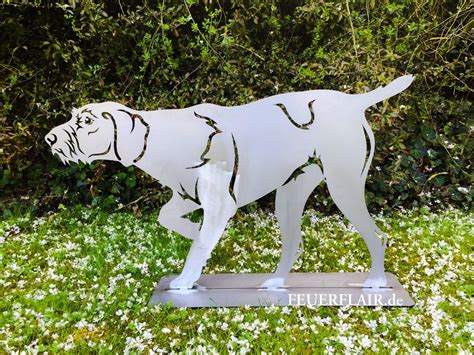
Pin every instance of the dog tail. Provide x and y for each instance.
(384, 92)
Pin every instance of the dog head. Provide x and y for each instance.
(106, 131)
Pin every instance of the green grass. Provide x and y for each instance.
(80, 280)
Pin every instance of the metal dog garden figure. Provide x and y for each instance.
(221, 158)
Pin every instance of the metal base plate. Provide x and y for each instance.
(300, 289)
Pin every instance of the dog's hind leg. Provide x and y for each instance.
(347, 191)
(218, 206)
(171, 216)
(289, 205)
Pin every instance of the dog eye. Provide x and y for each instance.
(88, 120)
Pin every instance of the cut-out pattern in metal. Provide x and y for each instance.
(76, 141)
(186, 196)
(107, 116)
(133, 116)
(234, 171)
(250, 150)
(103, 153)
(296, 124)
(300, 170)
(211, 123)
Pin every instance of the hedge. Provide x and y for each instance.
(172, 54)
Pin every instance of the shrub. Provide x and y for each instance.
(174, 54)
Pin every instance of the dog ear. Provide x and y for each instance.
(130, 135)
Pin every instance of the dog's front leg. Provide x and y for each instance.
(218, 207)
(171, 216)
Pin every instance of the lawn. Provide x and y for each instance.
(79, 280)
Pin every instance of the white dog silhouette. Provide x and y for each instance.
(221, 158)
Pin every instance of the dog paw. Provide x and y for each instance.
(274, 282)
(375, 282)
(181, 283)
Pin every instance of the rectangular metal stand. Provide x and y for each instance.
(300, 289)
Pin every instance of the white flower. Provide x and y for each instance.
(147, 335)
(365, 342)
(463, 190)
(429, 271)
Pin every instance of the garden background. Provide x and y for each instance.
(80, 246)
(173, 54)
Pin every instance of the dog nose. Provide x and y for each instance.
(51, 138)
